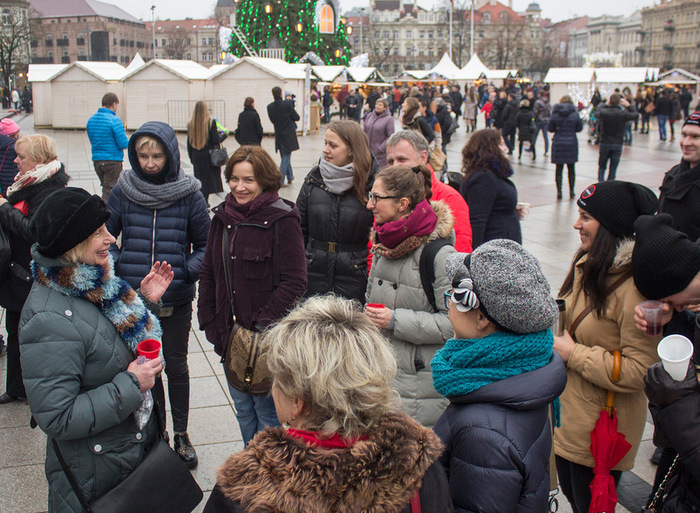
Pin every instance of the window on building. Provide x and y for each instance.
(376, 34)
(430, 52)
(487, 17)
(430, 34)
(396, 50)
(421, 52)
(396, 34)
(503, 15)
(409, 34)
(163, 42)
(386, 34)
(6, 17)
(326, 20)
(204, 41)
(189, 56)
(409, 52)
(396, 68)
(421, 34)
(356, 40)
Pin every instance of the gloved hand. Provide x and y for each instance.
(662, 390)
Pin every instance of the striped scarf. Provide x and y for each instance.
(113, 296)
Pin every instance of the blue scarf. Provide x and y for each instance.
(112, 295)
(465, 365)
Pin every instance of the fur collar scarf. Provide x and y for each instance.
(281, 473)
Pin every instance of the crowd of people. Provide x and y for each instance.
(395, 336)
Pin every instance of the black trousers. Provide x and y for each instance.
(575, 481)
(176, 332)
(15, 385)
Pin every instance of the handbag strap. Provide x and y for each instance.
(3, 157)
(227, 274)
(622, 279)
(415, 503)
(653, 503)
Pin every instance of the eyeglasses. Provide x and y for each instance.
(373, 198)
(448, 298)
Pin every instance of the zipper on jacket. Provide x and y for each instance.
(153, 240)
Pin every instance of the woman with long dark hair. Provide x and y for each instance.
(334, 220)
(412, 118)
(600, 276)
(203, 136)
(490, 194)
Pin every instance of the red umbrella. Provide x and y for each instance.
(608, 448)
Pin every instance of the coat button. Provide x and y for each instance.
(139, 436)
(229, 226)
(68, 313)
(98, 448)
(395, 286)
(380, 282)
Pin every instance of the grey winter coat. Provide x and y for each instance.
(379, 127)
(418, 331)
(74, 368)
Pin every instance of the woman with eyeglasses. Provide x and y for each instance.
(406, 222)
(334, 220)
(501, 375)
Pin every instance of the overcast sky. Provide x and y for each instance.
(557, 10)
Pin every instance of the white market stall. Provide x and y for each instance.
(164, 90)
(77, 92)
(498, 77)
(255, 77)
(472, 71)
(677, 77)
(446, 68)
(39, 76)
(579, 83)
(609, 79)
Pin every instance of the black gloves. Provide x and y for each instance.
(662, 390)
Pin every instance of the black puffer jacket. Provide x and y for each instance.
(15, 288)
(498, 440)
(342, 220)
(564, 122)
(613, 119)
(680, 197)
(526, 123)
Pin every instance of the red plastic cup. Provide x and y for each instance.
(149, 348)
(652, 311)
(375, 305)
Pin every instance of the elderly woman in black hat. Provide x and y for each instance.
(600, 276)
(78, 334)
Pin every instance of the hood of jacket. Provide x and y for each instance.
(528, 391)
(278, 472)
(563, 109)
(166, 135)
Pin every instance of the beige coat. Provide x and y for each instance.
(418, 332)
(590, 366)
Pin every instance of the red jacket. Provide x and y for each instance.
(460, 210)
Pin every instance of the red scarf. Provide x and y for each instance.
(317, 438)
(421, 222)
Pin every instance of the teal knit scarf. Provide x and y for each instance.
(465, 365)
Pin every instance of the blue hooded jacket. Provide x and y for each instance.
(176, 233)
(106, 133)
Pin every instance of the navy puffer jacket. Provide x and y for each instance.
(8, 168)
(564, 122)
(176, 233)
(498, 441)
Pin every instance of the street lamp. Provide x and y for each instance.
(268, 8)
(338, 53)
(299, 27)
(349, 30)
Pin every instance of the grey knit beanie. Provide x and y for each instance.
(509, 283)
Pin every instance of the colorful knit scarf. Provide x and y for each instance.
(465, 365)
(113, 296)
(399, 238)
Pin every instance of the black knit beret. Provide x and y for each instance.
(664, 261)
(65, 219)
(616, 205)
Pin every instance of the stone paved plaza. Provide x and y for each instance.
(213, 429)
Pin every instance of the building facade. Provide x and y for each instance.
(15, 36)
(70, 30)
(614, 40)
(196, 40)
(671, 35)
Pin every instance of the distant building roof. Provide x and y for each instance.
(386, 5)
(225, 3)
(187, 24)
(63, 8)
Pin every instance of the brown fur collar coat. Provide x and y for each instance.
(281, 473)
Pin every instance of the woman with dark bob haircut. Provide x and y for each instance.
(490, 194)
(345, 446)
(267, 267)
(249, 130)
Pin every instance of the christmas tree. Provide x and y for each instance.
(292, 25)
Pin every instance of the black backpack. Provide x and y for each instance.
(427, 268)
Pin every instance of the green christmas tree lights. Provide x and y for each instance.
(276, 24)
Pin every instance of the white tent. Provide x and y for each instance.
(578, 83)
(40, 75)
(77, 92)
(327, 73)
(446, 68)
(135, 63)
(473, 69)
(359, 75)
(609, 79)
(164, 90)
(412, 75)
(254, 77)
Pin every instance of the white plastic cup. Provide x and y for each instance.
(675, 352)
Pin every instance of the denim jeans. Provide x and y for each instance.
(662, 126)
(611, 152)
(286, 166)
(253, 412)
(509, 137)
(327, 114)
(542, 127)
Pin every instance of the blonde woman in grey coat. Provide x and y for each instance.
(405, 221)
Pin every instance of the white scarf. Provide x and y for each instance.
(337, 179)
(40, 173)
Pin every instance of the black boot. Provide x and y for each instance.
(572, 180)
(558, 179)
(184, 449)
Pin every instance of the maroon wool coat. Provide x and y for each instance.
(256, 302)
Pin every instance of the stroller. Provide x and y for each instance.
(591, 120)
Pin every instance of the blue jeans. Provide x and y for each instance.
(253, 412)
(286, 166)
(611, 152)
(327, 114)
(509, 137)
(542, 127)
(662, 126)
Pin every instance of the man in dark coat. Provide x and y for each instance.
(497, 112)
(613, 116)
(456, 101)
(284, 117)
(685, 97)
(510, 121)
(662, 109)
